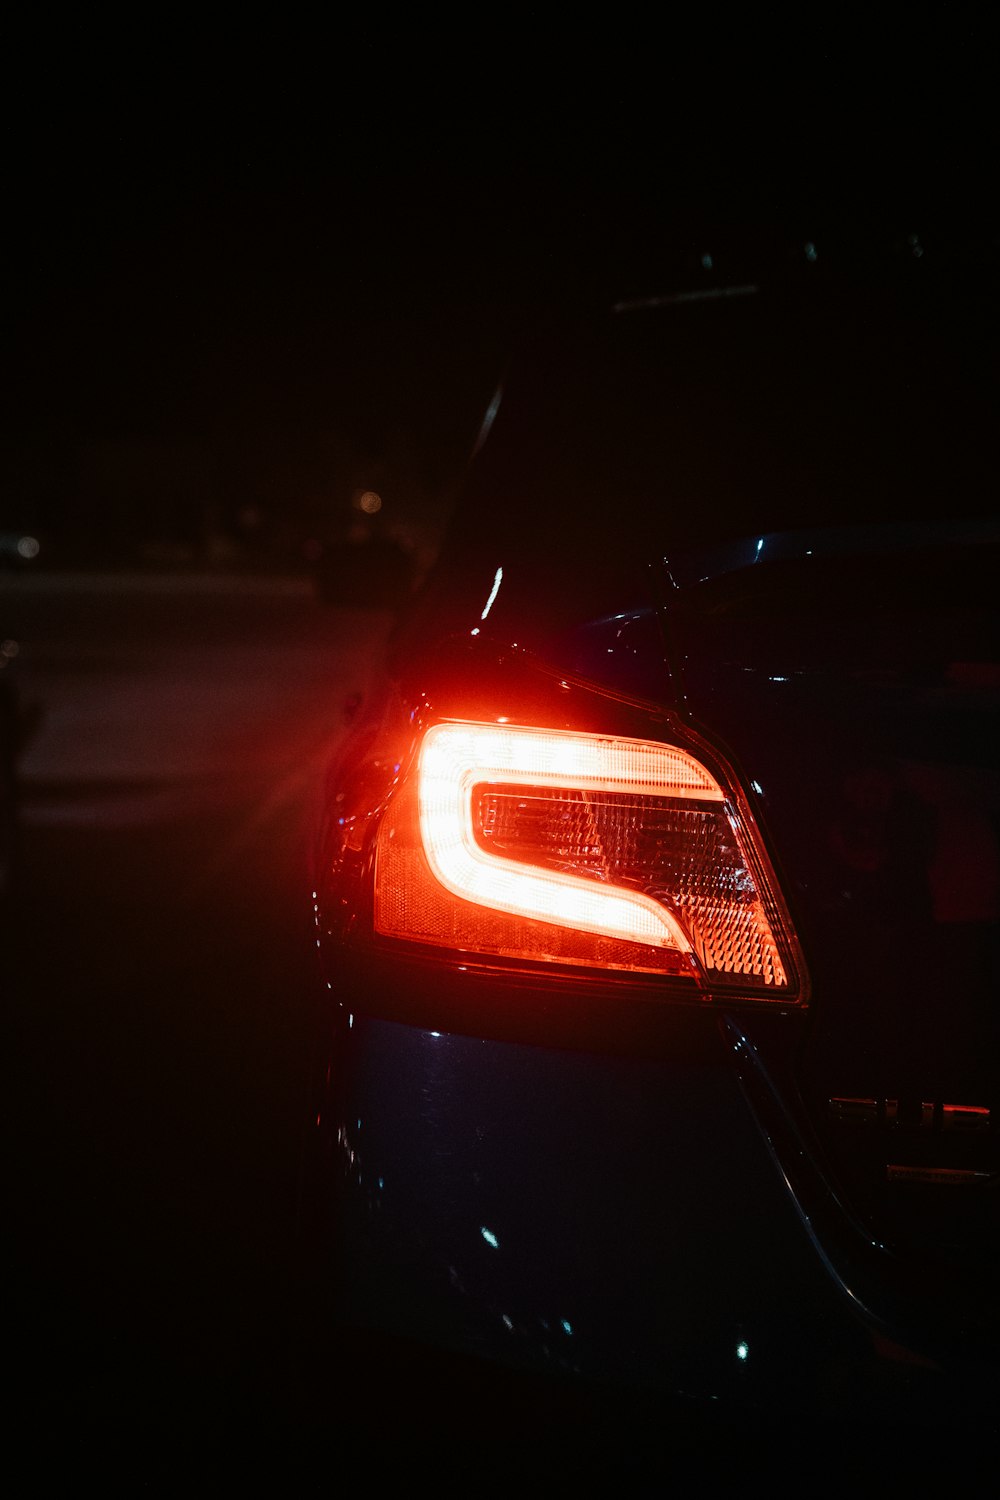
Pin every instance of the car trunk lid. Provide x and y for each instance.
(853, 677)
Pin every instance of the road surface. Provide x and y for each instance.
(159, 980)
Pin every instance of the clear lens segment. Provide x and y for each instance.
(585, 849)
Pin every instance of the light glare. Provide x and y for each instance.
(457, 757)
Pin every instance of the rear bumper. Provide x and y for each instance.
(582, 1230)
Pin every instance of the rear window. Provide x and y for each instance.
(737, 410)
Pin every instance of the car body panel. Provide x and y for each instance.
(787, 1206)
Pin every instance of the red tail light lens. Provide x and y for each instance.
(549, 846)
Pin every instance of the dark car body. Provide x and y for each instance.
(743, 1179)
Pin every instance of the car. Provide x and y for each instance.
(363, 569)
(656, 891)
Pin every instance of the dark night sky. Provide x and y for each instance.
(311, 236)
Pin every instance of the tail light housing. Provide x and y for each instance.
(556, 847)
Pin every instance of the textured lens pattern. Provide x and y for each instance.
(683, 854)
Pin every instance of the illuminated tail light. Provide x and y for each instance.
(549, 846)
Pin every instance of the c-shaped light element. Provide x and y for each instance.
(455, 758)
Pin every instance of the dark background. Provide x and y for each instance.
(248, 272)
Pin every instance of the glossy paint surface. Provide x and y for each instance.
(578, 1172)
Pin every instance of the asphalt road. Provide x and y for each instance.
(158, 969)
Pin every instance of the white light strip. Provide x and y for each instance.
(455, 758)
(493, 593)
